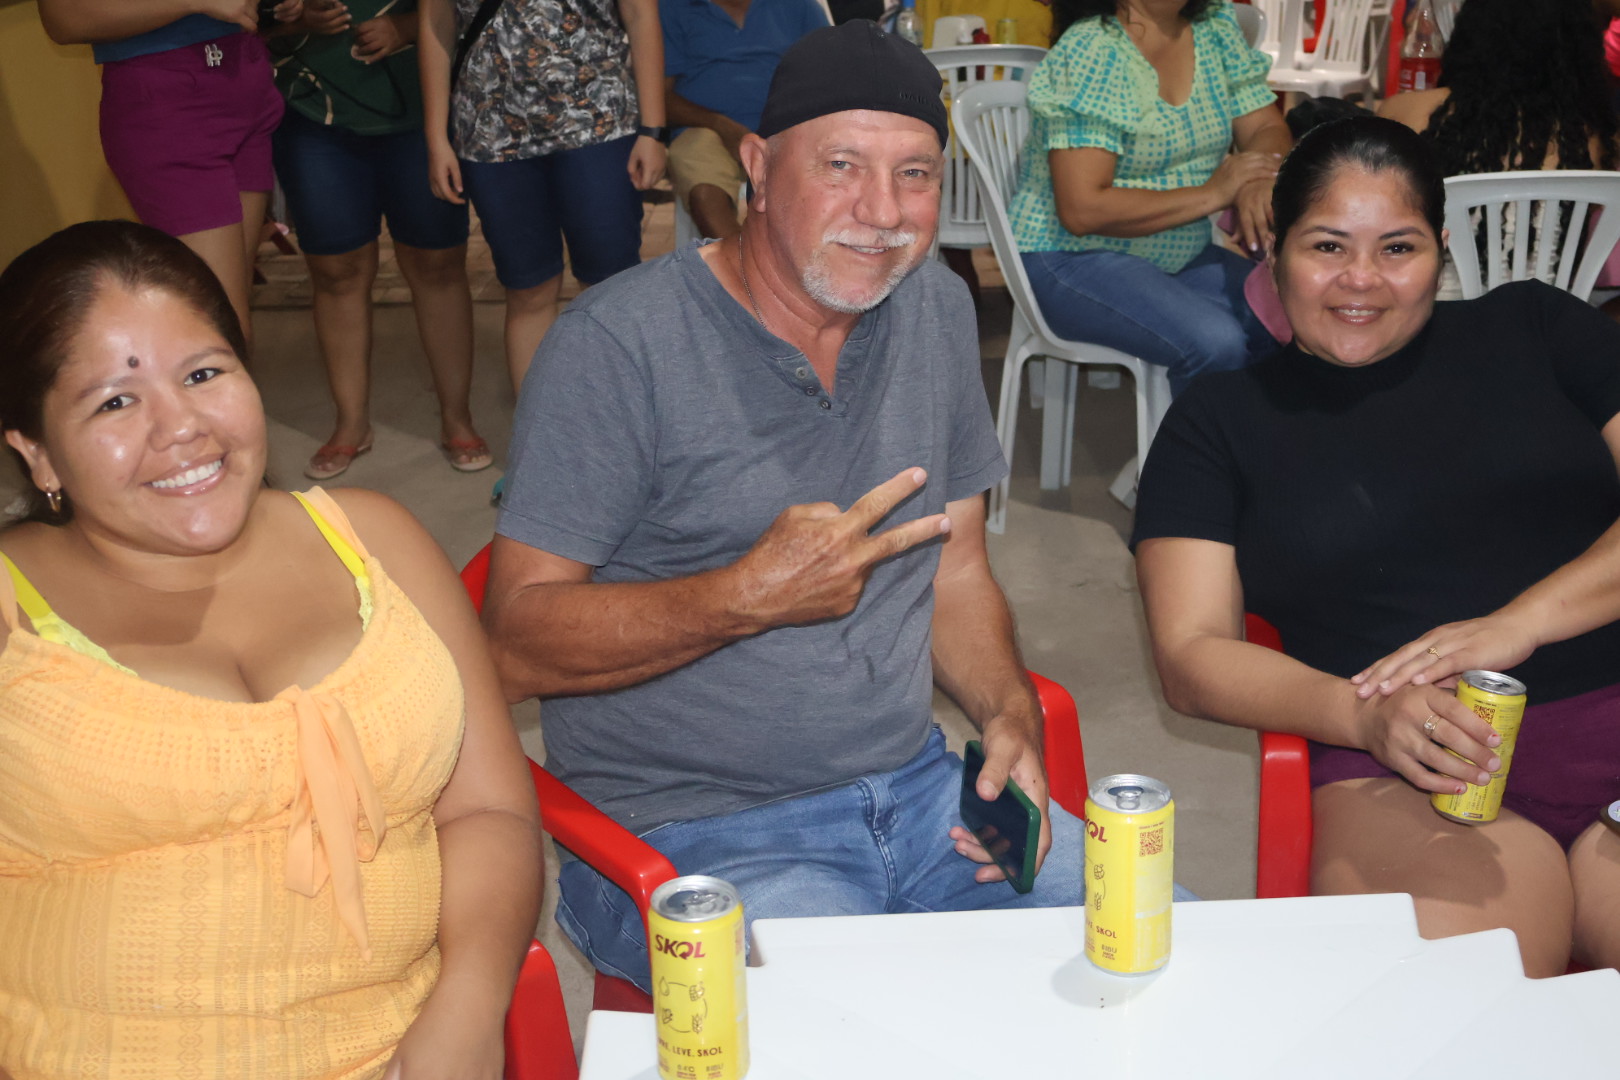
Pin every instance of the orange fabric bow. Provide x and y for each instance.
(324, 838)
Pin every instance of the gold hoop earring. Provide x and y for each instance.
(54, 499)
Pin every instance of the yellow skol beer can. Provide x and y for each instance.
(1499, 701)
(1130, 873)
(699, 972)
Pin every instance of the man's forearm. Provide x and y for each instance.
(975, 649)
(77, 22)
(684, 113)
(562, 639)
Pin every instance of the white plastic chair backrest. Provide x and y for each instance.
(947, 30)
(1445, 15)
(1252, 21)
(992, 123)
(1343, 42)
(960, 67)
(1569, 257)
(1285, 30)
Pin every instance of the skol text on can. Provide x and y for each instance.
(1499, 701)
(1006, 31)
(1130, 863)
(700, 999)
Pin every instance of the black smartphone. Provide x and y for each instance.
(1009, 828)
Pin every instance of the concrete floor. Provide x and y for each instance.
(1063, 562)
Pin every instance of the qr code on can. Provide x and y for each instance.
(1152, 841)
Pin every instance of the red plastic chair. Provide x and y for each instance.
(1283, 855)
(638, 868)
(538, 1044)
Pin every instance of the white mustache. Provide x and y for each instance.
(883, 238)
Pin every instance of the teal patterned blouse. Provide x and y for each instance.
(1095, 88)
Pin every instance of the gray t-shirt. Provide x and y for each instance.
(659, 433)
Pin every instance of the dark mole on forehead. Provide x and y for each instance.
(133, 362)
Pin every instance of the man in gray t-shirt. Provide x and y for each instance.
(743, 534)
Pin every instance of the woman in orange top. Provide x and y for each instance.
(262, 808)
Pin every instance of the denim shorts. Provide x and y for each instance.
(878, 845)
(186, 131)
(1192, 321)
(340, 186)
(531, 206)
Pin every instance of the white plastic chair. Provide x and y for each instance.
(947, 30)
(992, 122)
(686, 229)
(1282, 20)
(1569, 257)
(1342, 65)
(1252, 21)
(961, 220)
(1445, 15)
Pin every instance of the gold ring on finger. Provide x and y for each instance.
(1434, 652)
(1430, 724)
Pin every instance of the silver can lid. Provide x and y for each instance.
(695, 898)
(1493, 682)
(1130, 793)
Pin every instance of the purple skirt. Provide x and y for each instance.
(1566, 766)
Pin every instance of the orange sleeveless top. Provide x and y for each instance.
(202, 888)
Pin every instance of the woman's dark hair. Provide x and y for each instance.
(1066, 13)
(48, 290)
(1369, 143)
(1524, 78)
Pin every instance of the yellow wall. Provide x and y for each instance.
(51, 169)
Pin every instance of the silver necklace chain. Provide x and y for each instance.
(743, 270)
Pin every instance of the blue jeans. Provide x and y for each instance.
(1190, 322)
(340, 186)
(530, 206)
(875, 846)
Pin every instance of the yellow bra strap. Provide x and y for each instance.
(334, 525)
(27, 597)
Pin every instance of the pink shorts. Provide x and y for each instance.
(185, 131)
(1566, 764)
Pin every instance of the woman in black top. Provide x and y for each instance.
(1408, 491)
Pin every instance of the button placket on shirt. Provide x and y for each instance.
(811, 389)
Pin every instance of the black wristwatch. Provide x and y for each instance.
(659, 133)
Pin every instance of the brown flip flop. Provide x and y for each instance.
(338, 458)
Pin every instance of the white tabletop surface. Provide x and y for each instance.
(1316, 987)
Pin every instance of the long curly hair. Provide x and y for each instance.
(1065, 13)
(1524, 78)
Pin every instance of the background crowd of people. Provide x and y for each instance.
(746, 519)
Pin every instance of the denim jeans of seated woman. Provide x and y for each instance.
(878, 845)
(1190, 322)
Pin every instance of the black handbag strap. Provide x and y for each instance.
(486, 11)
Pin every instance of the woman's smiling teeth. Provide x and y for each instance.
(191, 476)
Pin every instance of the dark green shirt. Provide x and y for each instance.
(320, 77)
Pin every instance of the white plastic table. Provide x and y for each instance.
(1315, 987)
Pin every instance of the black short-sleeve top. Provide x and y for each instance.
(1369, 505)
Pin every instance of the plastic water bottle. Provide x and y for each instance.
(1422, 50)
(908, 25)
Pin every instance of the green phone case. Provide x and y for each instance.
(1020, 877)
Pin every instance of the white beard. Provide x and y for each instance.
(817, 279)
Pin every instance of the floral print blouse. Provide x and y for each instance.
(545, 75)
